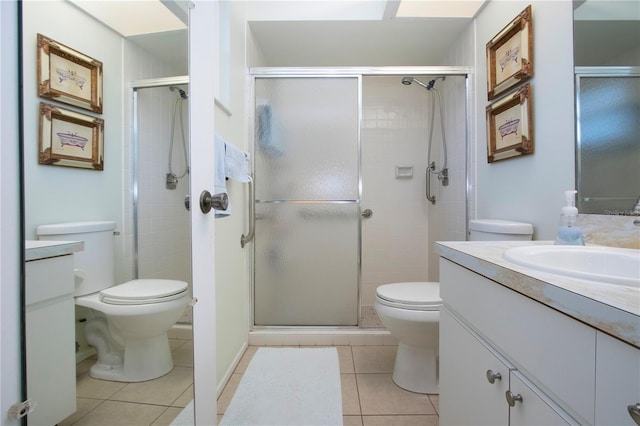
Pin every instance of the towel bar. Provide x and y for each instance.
(244, 239)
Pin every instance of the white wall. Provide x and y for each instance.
(60, 194)
(530, 188)
(10, 257)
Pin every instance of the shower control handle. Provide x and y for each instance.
(217, 201)
(366, 213)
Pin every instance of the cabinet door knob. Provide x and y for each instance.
(634, 412)
(512, 399)
(492, 377)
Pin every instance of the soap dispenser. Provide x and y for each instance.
(568, 232)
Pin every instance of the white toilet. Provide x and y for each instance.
(411, 313)
(128, 322)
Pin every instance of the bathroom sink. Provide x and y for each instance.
(610, 265)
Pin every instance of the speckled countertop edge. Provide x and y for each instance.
(611, 308)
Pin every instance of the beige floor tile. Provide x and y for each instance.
(88, 387)
(400, 420)
(83, 407)
(184, 399)
(227, 393)
(352, 420)
(183, 355)
(346, 359)
(115, 413)
(167, 417)
(350, 399)
(374, 359)
(246, 358)
(435, 400)
(175, 344)
(161, 391)
(379, 395)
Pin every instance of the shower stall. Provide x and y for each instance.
(340, 159)
(160, 223)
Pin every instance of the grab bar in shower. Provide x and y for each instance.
(244, 239)
(429, 169)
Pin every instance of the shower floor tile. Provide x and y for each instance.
(369, 317)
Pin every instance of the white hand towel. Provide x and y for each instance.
(220, 184)
(235, 164)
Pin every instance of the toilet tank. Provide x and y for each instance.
(94, 266)
(499, 230)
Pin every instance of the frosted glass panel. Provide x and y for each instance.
(609, 150)
(306, 264)
(306, 138)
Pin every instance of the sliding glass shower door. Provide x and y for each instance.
(307, 185)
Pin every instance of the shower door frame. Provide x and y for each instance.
(137, 85)
(359, 73)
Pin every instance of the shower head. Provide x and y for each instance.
(408, 80)
(182, 93)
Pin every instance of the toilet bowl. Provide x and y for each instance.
(411, 313)
(126, 323)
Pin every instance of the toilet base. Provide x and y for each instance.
(144, 359)
(416, 369)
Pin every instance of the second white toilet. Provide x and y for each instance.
(411, 313)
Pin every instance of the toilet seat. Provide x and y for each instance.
(143, 292)
(417, 296)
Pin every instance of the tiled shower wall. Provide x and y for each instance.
(397, 241)
(163, 221)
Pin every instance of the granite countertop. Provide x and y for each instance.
(36, 249)
(611, 308)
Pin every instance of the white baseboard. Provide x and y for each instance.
(231, 369)
(181, 332)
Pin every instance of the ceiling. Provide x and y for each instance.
(357, 43)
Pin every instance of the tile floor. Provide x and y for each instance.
(369, 396)
(155, 402)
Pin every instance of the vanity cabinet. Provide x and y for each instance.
(50, 339)
(550, 357)
(617, 380)
(477, 384)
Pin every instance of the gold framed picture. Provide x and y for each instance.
(510, 126)
(68, 138)
(68, 76)
(510, 55)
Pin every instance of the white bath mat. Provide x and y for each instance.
(288, 386)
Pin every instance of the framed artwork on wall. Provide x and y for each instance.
(510, 126)
(68, 76)
(68, 138)
(510, 55)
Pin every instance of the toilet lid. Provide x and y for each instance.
(143, 292)
(414, 295)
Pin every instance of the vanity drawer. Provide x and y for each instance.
(556, 351)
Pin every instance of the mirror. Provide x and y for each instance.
(146, 144)
(607, 61)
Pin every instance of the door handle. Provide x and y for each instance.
(217, 201)
(634, 412)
